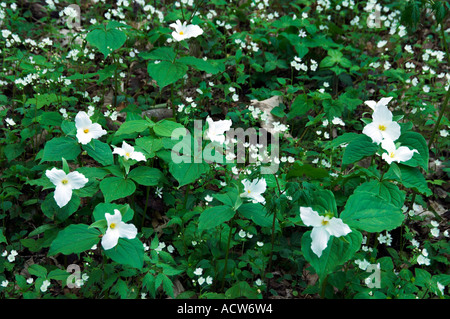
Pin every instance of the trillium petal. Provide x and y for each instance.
(115, 218)
(82, 120)
(388, 145)
(193, 30)
(137, 156)
(387, 158)
(83, 138)
(385, 100)
(76, 180)
(96, 131)
(372, 131)
(128, 231)
(310, 217)
(63, 194)
(320, 239)
(127, 147)
(392, 131)
(382, 114)
(110, 239)
(55, 175)
(337, 228)
(404, 154)
(371, 104)
(119, 151)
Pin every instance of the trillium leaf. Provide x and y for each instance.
(208, 66)
(165, 128)
(147, 176)
(127, 252)
(385, 189)
(166, 73)
(358, 149)
(337, 253)
(372, 213)
(258, 214)
(59, 147)
(186, 173)
(116, 187)
(106, 38)
(74, 239)
(134, 126)
(414, 140)
(410, 177)
(215, 216)
(53, 211)
(99, 151)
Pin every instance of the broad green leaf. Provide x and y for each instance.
(127, 252)
(338, 251)
(59, 147)
(306, 170)
(385, 189)
(414, 140)
(202, 65)
(215, 216)
(74, 239)
(147, 176)
(102, 208)
(106, 39)
(99, 151)
(411, 177)
(358, 149)
(135, 126)
(186, 173)
(165, 128)
(53, 211)
(258, 214)
(162, 53)
(371, 213)
(116, 187)
(166, 73)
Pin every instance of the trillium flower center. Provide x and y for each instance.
(86, 130)
(112, 226)
(391, 154)
(64, 181)
(249, 191)
(181, 32)
(325, 222)
(381, 127)
(127, 154)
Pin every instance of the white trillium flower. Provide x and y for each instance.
(401, 154)
(324, 227)
(254, 189)
(382, 126)
(86, 130)
(117, 229)
(216, 129)
(382, 102)
(65, 183)
(128, 152)
(185, 31)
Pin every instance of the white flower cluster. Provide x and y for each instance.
(11, 257)
(201, 280)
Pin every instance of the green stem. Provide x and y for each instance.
(227, 253)
(438, 122)
(323, 286)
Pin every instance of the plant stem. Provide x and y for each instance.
(438, 122)
(227, 253)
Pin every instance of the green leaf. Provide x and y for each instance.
(414, 140)
(99, 151)
(215, 216)
(102, 208)
(338, 251)
(186, 173)
(134, 126)
(386, 190)
(128, 252)
(59, 147)
(116, 187)
(106, 38)
(162, 53)
(258, 214)
(411, 177)
(165, 72)
(299, 107)
(306, 170)
(202, 65)
(53, 211)
(74, 239)
(147, 176)
(165, 128)
(37, 270)
(358, 149)
(371, 213)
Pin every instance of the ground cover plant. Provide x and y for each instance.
(224, 149)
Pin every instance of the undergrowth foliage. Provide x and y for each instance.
(224, 149)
